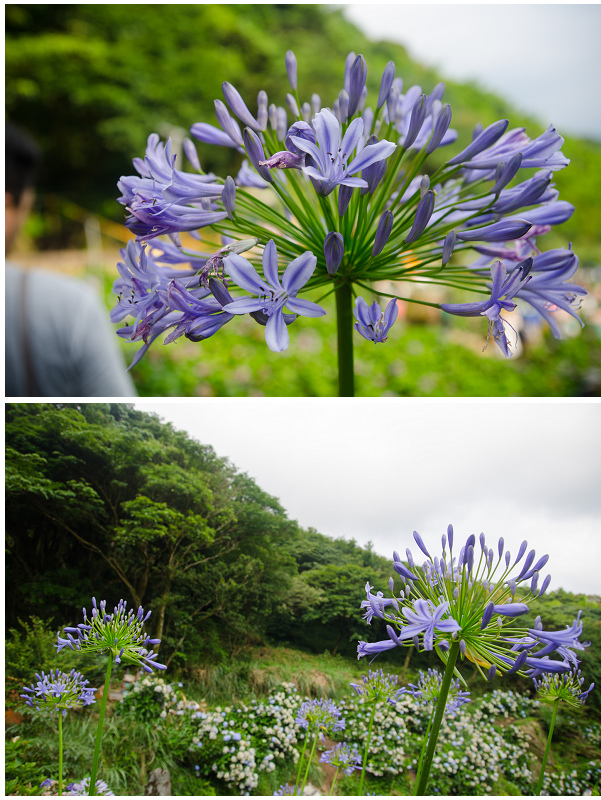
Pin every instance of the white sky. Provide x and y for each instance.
(544, 58)
(378, 469)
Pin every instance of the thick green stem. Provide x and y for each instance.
(300, 762)
(366, 751)
(440, 707)
(421, 755)
(60, 752)
(309, 763)
(105, 696)
(541, 777)
(334, 781)
(344, 322)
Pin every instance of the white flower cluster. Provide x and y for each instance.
(507, 704)
(239, 743)
(578, 782)
(165, 695)
(471, 754)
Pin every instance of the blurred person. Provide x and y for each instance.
(58, 341)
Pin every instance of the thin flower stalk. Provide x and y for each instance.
(543, 765)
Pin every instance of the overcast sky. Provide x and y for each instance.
(373, 469)
(544, 58)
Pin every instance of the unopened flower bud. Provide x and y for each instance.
(418, 115)
(190, 153)
(491, 672)
(292, 105)
(424, 210)
(229, 196)
(386, 83)
(291, 69)
(333, 249)
(344, 198)
(358, 76)
(383, 232)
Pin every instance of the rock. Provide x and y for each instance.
(159, 783)
(128, 678)
(311, 791)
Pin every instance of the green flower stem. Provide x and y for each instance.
(344, 323)
(300, 762)
(421, 755)
(541, 777)
(309, 763)
(334, 781)
(60, 752)
(105, 695)
(366, 751)
(440, 707)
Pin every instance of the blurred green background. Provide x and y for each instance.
(90, 82)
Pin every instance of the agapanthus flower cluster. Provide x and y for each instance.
(472, 598)
(379, 687)
(427, 691)
(121, 634)
(80, 789)
(343, 756)
(321, 716)
(335, 196)
(287, 789)
(59, 690)
(567, 687)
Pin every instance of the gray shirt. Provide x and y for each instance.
(74, 351)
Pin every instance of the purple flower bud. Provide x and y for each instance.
(527, 563)
(519, 662)
(450, 535)
(534, 583)
(342, 103)
(306, 112)
(506, 173)
(387, 79)
(512, 587)
(272, 113)
(521, 552)
(238, 106)
(302, 130)
(502, 231)
(482, 541)
(229, 125)
(402, 570)
(420, 544)
(545, 585)
(443, 539)
(470, 558)
(118, 658)
(391, 584)
(409, 558)
(511, 609)
(456, 592)
(344, 198)
(254, 149)
(486, 617)
(357, 78)
(395, 556)
(292, 105)
(190, 153)
(262, 117)
(315, 103)
(282, 124)
(229, 196)
(462, 646)
(441, 127)
(418, 115)
(333, 248)
(443, 645)
(350, 60)
(471, 540)
(393, 635)
(94, 602)
(424, 210)
(291, 68)
(383, 232)
(491, 673)
(481, 141)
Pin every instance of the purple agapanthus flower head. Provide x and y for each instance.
(467, 602)
(379, 687)
(567, 687)
(59, 690)
(427, 691)
(343, 756)
(120, 634)
(82, 789)
(320, 716)
(273, 295)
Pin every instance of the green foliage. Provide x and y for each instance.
(21, 777)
